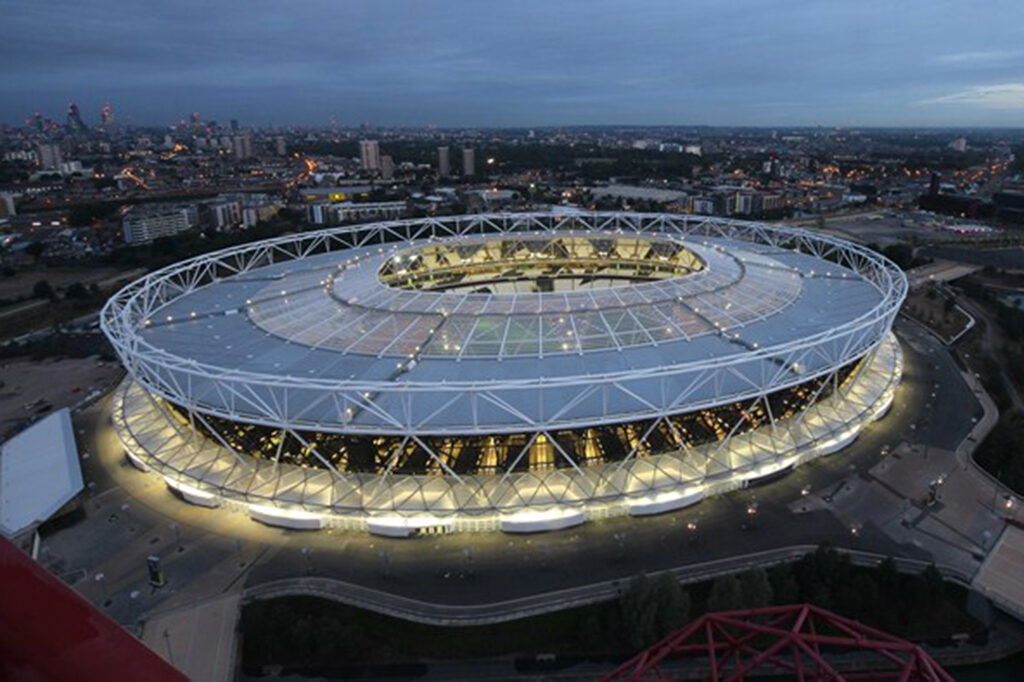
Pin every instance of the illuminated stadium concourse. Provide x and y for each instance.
(520, 372)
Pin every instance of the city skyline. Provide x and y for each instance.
(462, 64)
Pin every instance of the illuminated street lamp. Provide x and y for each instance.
(99, 578)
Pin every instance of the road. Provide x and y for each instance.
(989, 344)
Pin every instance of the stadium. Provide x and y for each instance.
(521, 372)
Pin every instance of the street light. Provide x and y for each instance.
(99, 578)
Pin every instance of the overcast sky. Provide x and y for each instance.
(509, 63)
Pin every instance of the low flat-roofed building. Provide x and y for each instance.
(141, 226)
(644, 193)
(39, 474)
(335, 214)
(335, 195)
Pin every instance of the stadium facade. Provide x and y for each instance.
(520, 372)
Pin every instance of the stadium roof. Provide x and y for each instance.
(324, 331)
(281, 321)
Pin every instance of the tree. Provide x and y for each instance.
(84, 215)
(755, 589)
(77, 291)
(673, 604)
(590, 632)
(784, 585)
(726, 594)
(639, 612)
(303, 637)
(42, 289)
(889, 579)
(858, 596)
(36, 250)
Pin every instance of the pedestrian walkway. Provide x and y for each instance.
(1001, 576)
(199, 640)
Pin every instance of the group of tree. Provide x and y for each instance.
(648, 610)
(1010, 318)
(76, 291)
(903, 255)
(1000, 453)
(84, 215)
(275, 630)
(318, 632)
(60, 345)
(43, 289)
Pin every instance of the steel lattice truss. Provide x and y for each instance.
(401, 404)
(804, 642)
(176, 449)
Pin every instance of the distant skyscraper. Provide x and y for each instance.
(280, 146)
(369, 155)
(107, 115)
(75, 118)
(241, 146)
(468, 162)
(234, 125)
(444, 162)
(49, 155)
(959, 144)
(387, 167)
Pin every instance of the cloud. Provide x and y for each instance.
(980, 57)
(528, 62)
(1000, 96)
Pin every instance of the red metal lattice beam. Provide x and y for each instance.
(794, 638)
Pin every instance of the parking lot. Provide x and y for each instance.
(31, 389)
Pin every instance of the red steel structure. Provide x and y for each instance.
(802, 641)
(49, 632)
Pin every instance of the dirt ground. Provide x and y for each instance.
(931, 310)
(29, 390)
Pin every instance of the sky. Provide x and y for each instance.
(492, 63)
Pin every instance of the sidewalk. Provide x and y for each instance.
(199, 640)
